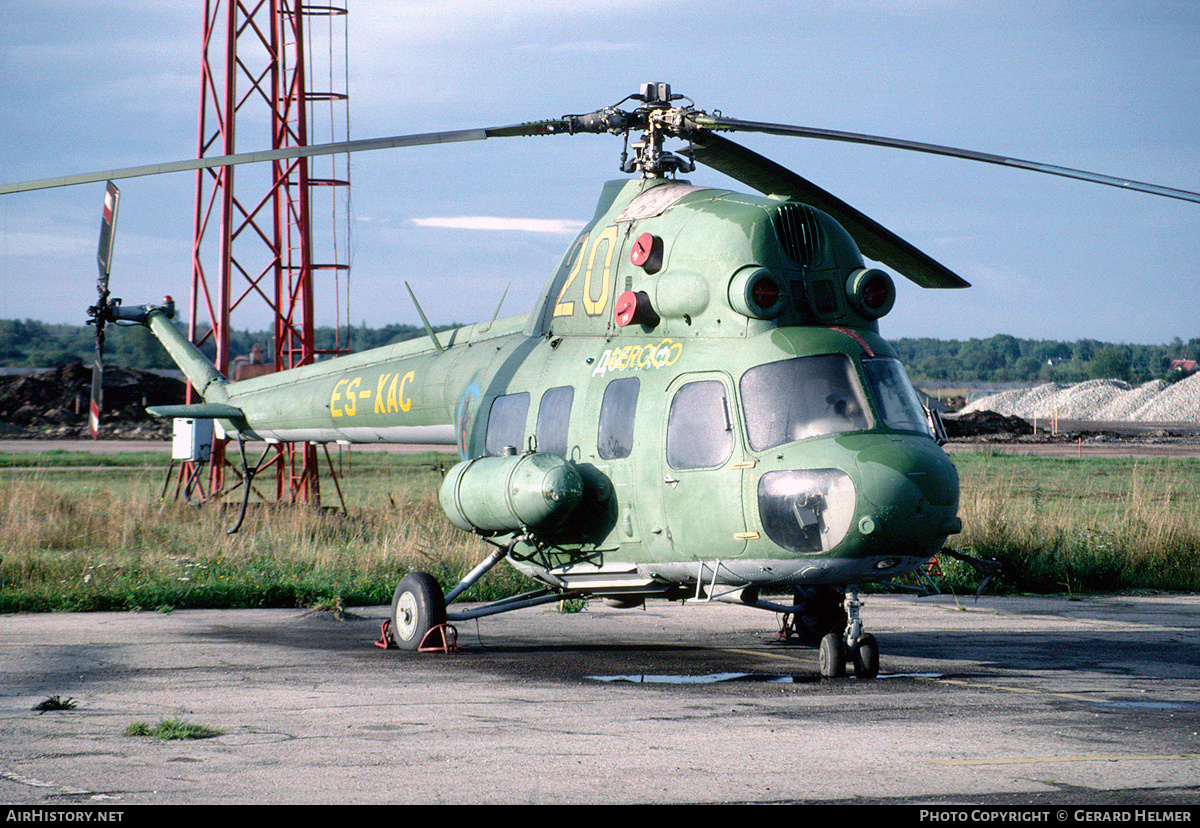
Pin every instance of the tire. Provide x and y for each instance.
(417, 607)
(866, 657)
(832, 656)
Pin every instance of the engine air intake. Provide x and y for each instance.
(799, 233)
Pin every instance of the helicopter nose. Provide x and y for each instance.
(890, 495)
(909, 494)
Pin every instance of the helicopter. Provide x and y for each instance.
(699, 405)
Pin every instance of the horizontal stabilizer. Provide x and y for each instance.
(198, 411)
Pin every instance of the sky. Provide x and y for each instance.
(1102, 85)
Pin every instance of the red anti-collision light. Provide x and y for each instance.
(765, 292)
(875, 293)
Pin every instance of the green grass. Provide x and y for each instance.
(99, 539)
(60, 458)
(1067, 525)
(55, 703)
(88, 540)
(172, 729)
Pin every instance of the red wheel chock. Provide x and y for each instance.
(448, 635)
(447, 632)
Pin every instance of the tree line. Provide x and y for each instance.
(1004, 358)
(32, 344)
(1000, 358)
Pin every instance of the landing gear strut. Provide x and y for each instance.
(830, 618)
(860, 646)
(419, 606)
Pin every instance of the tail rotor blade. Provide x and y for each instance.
(108, 231)
(103, 310)
(97, 403)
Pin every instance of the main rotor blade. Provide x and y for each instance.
(734, 125)
(337, 148)
(873, 239)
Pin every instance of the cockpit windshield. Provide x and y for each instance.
(815, 395)
(897, 399)
(802, 397)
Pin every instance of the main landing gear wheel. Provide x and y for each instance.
(820, 612)
(417, 607)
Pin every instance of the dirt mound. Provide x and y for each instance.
(55, 403)
(979, 423)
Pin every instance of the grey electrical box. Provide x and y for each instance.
(192, 440)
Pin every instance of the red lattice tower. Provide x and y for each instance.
(254, 253)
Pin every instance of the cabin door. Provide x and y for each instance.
(703, 464)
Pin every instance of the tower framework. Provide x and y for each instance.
(255, 254)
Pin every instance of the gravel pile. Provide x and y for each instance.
(1109, 400)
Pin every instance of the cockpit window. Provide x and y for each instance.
(897, 399)
(802, 397)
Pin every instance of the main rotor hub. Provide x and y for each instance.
(657, 119)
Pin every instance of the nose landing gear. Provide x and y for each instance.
(863, 653)
(830, 618)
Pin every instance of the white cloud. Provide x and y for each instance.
(526, 225)
(51, 243)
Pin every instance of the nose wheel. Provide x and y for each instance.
(865, 656)
(849, 644)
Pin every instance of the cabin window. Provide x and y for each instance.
(699, 426)
(554, 416)
(898, 402)
(803, 397)
(506, 423)
(615, 439)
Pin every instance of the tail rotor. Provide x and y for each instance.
(103, 311)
